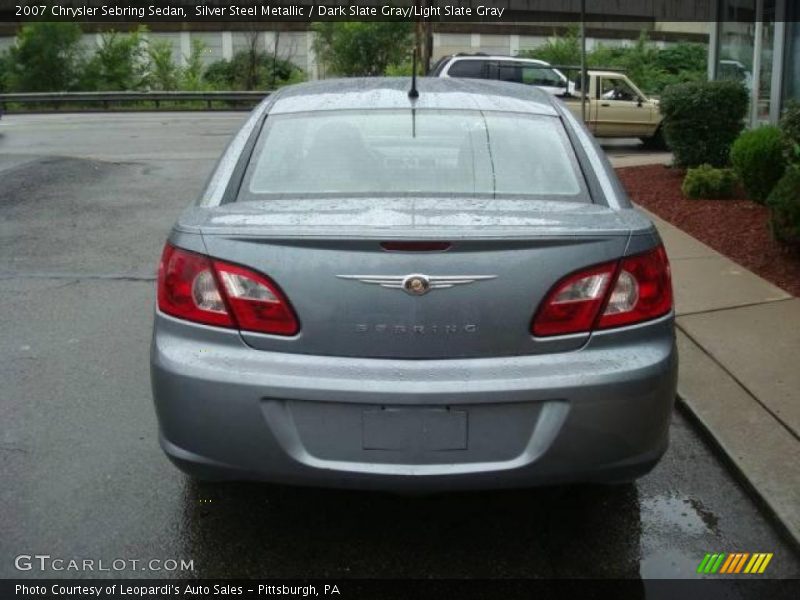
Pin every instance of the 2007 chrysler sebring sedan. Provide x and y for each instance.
(441, 291)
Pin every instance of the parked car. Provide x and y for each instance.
(503, 68)
(615, 107)
(382, 291)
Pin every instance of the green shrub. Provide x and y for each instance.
(784, 204)
(164, 72)
(192, 72)
(790, 129)
(119, 63)
(708, 182)
(558, 50)
(757, 158)
(244, 71)
(403, 70)
(702, 120)
(683, 56)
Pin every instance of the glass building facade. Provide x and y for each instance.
(757, 42)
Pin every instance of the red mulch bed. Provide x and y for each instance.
(737, 228)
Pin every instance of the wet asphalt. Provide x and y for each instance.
(85, 204)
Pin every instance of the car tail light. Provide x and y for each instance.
(257, 303)
(572, 305)
(197, 288)
(643, 290)
(635, 289)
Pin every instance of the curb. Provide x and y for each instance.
(763, 502)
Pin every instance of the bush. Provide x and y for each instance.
(191, 75)
(164, 73)
(702, 120)
(757, 158)
(790, 130)
(120, 63)
(784, 204)
(558, 50)
(683, 57)
(270, 72)
(405, 69)
(707, 182)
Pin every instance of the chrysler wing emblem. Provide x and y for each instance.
(417, 284)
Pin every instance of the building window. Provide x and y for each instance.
(765, 50)
(737, 40)
(791, 59)
(746, 45)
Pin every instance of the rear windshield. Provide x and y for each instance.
(429, 152)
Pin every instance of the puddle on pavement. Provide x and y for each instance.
(676, 512)
(672, 518)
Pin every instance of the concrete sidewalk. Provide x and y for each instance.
(739, 344)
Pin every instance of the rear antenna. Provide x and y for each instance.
(413, 93)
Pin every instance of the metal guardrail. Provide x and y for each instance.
(106, 99)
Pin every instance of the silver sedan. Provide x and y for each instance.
(430, 291)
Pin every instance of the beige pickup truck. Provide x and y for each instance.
(615, 107)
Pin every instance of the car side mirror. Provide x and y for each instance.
(639, 103)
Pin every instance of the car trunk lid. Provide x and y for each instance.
(329, 257)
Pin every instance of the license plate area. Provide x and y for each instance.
(372, 434)
(414, 429)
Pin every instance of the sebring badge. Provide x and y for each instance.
(417, 284)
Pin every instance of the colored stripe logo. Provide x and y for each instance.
(735, 563)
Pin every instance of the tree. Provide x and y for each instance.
(253, 56)
(120, 63)
(649, 67)
(46, 57)
(274, 58)
(362, 48)
(191, 75)
(164, 73)
(278, 65)
(639, 62)
(5, 67)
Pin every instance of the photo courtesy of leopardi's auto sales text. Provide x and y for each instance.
(399, 299)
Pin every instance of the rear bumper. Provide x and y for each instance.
(227, 411)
